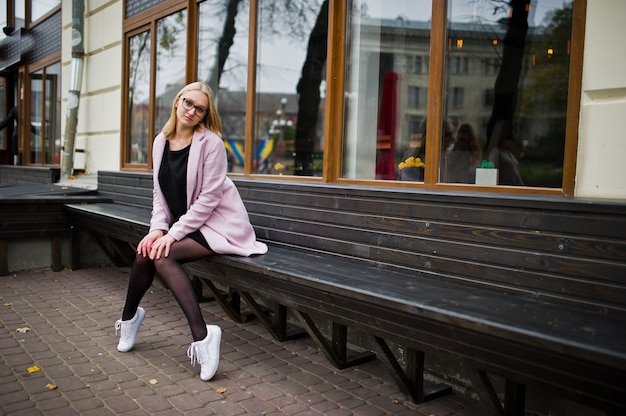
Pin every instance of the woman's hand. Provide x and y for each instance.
(146, 244)
(161, 247)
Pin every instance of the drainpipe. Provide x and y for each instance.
(73, 96)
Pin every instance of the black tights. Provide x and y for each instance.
(171, 271)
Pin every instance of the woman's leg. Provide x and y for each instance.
(171, 271)
(141, 278)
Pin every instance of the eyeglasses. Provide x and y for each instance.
(188, 105)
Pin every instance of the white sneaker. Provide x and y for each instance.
(207, 352)
(128, 330)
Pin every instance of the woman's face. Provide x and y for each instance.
(191, 108)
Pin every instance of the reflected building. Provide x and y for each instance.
(474, 56)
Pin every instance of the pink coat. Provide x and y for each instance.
(214, 205)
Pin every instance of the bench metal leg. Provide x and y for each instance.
(230, 302)
(514, 395)
(75, 248)
(336, 350)
(4, 259)
(275, 320)
(514, 399)
(57, 254)
(119, 252)
(198, 287)
(411, 381)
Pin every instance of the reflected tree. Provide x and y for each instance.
(139, 46)
(507, 80)
(225, 41)
(309, 93)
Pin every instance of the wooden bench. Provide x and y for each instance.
(527, 289)
(33, 212)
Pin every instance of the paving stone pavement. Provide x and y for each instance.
(70, 336)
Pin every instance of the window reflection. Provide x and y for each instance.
(36, 117)
(138, 98)
(223, 64)
(290, 91)
(3, 113)
(386, 89)
(506, 91)
(52, 108)
(171, 63)
(40, 7)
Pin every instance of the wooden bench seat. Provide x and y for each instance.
(533, 339)
(528, 289)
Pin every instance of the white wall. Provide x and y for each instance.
(601, 165)
(99, 115)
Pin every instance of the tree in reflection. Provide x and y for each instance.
(507, 80)
(227, 39)
(309, 93)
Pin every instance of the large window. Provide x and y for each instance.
(387, 92)
(138, 98)
(504, 92)
(385, 85)
(148, 112)
(44, 142)
(290, 88)
(520, 55)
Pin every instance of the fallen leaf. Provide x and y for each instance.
(51, 386)
(153, 381)
(33, 369)
(222, 390)
(23, 330)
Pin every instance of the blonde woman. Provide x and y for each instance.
(197, 211)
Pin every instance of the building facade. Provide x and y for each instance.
(333, 91)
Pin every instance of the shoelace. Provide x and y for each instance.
(118, 326)
(192, 353)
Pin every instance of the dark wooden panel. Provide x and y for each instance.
(523, 212)
(527, 249)
(129, 188)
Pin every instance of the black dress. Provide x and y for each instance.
(173, 181)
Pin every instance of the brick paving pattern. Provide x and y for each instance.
(70, 336)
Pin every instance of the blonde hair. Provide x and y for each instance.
(211, 119)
